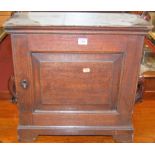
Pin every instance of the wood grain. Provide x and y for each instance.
(71, 88)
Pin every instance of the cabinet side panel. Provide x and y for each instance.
(130, 77)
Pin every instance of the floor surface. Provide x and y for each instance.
(143, 119)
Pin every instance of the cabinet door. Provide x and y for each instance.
(71, 81)
(72, 84)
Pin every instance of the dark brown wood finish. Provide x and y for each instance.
(68, 88)
(70, 80)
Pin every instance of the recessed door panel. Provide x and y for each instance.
(70, 81)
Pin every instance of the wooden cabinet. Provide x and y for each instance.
(76, 73)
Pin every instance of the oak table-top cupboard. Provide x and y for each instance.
(76, 73)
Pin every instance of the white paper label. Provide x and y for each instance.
(82, 41)
(86, 70)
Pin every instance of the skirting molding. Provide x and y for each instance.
(4, 95)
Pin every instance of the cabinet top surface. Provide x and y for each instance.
(74, 19)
